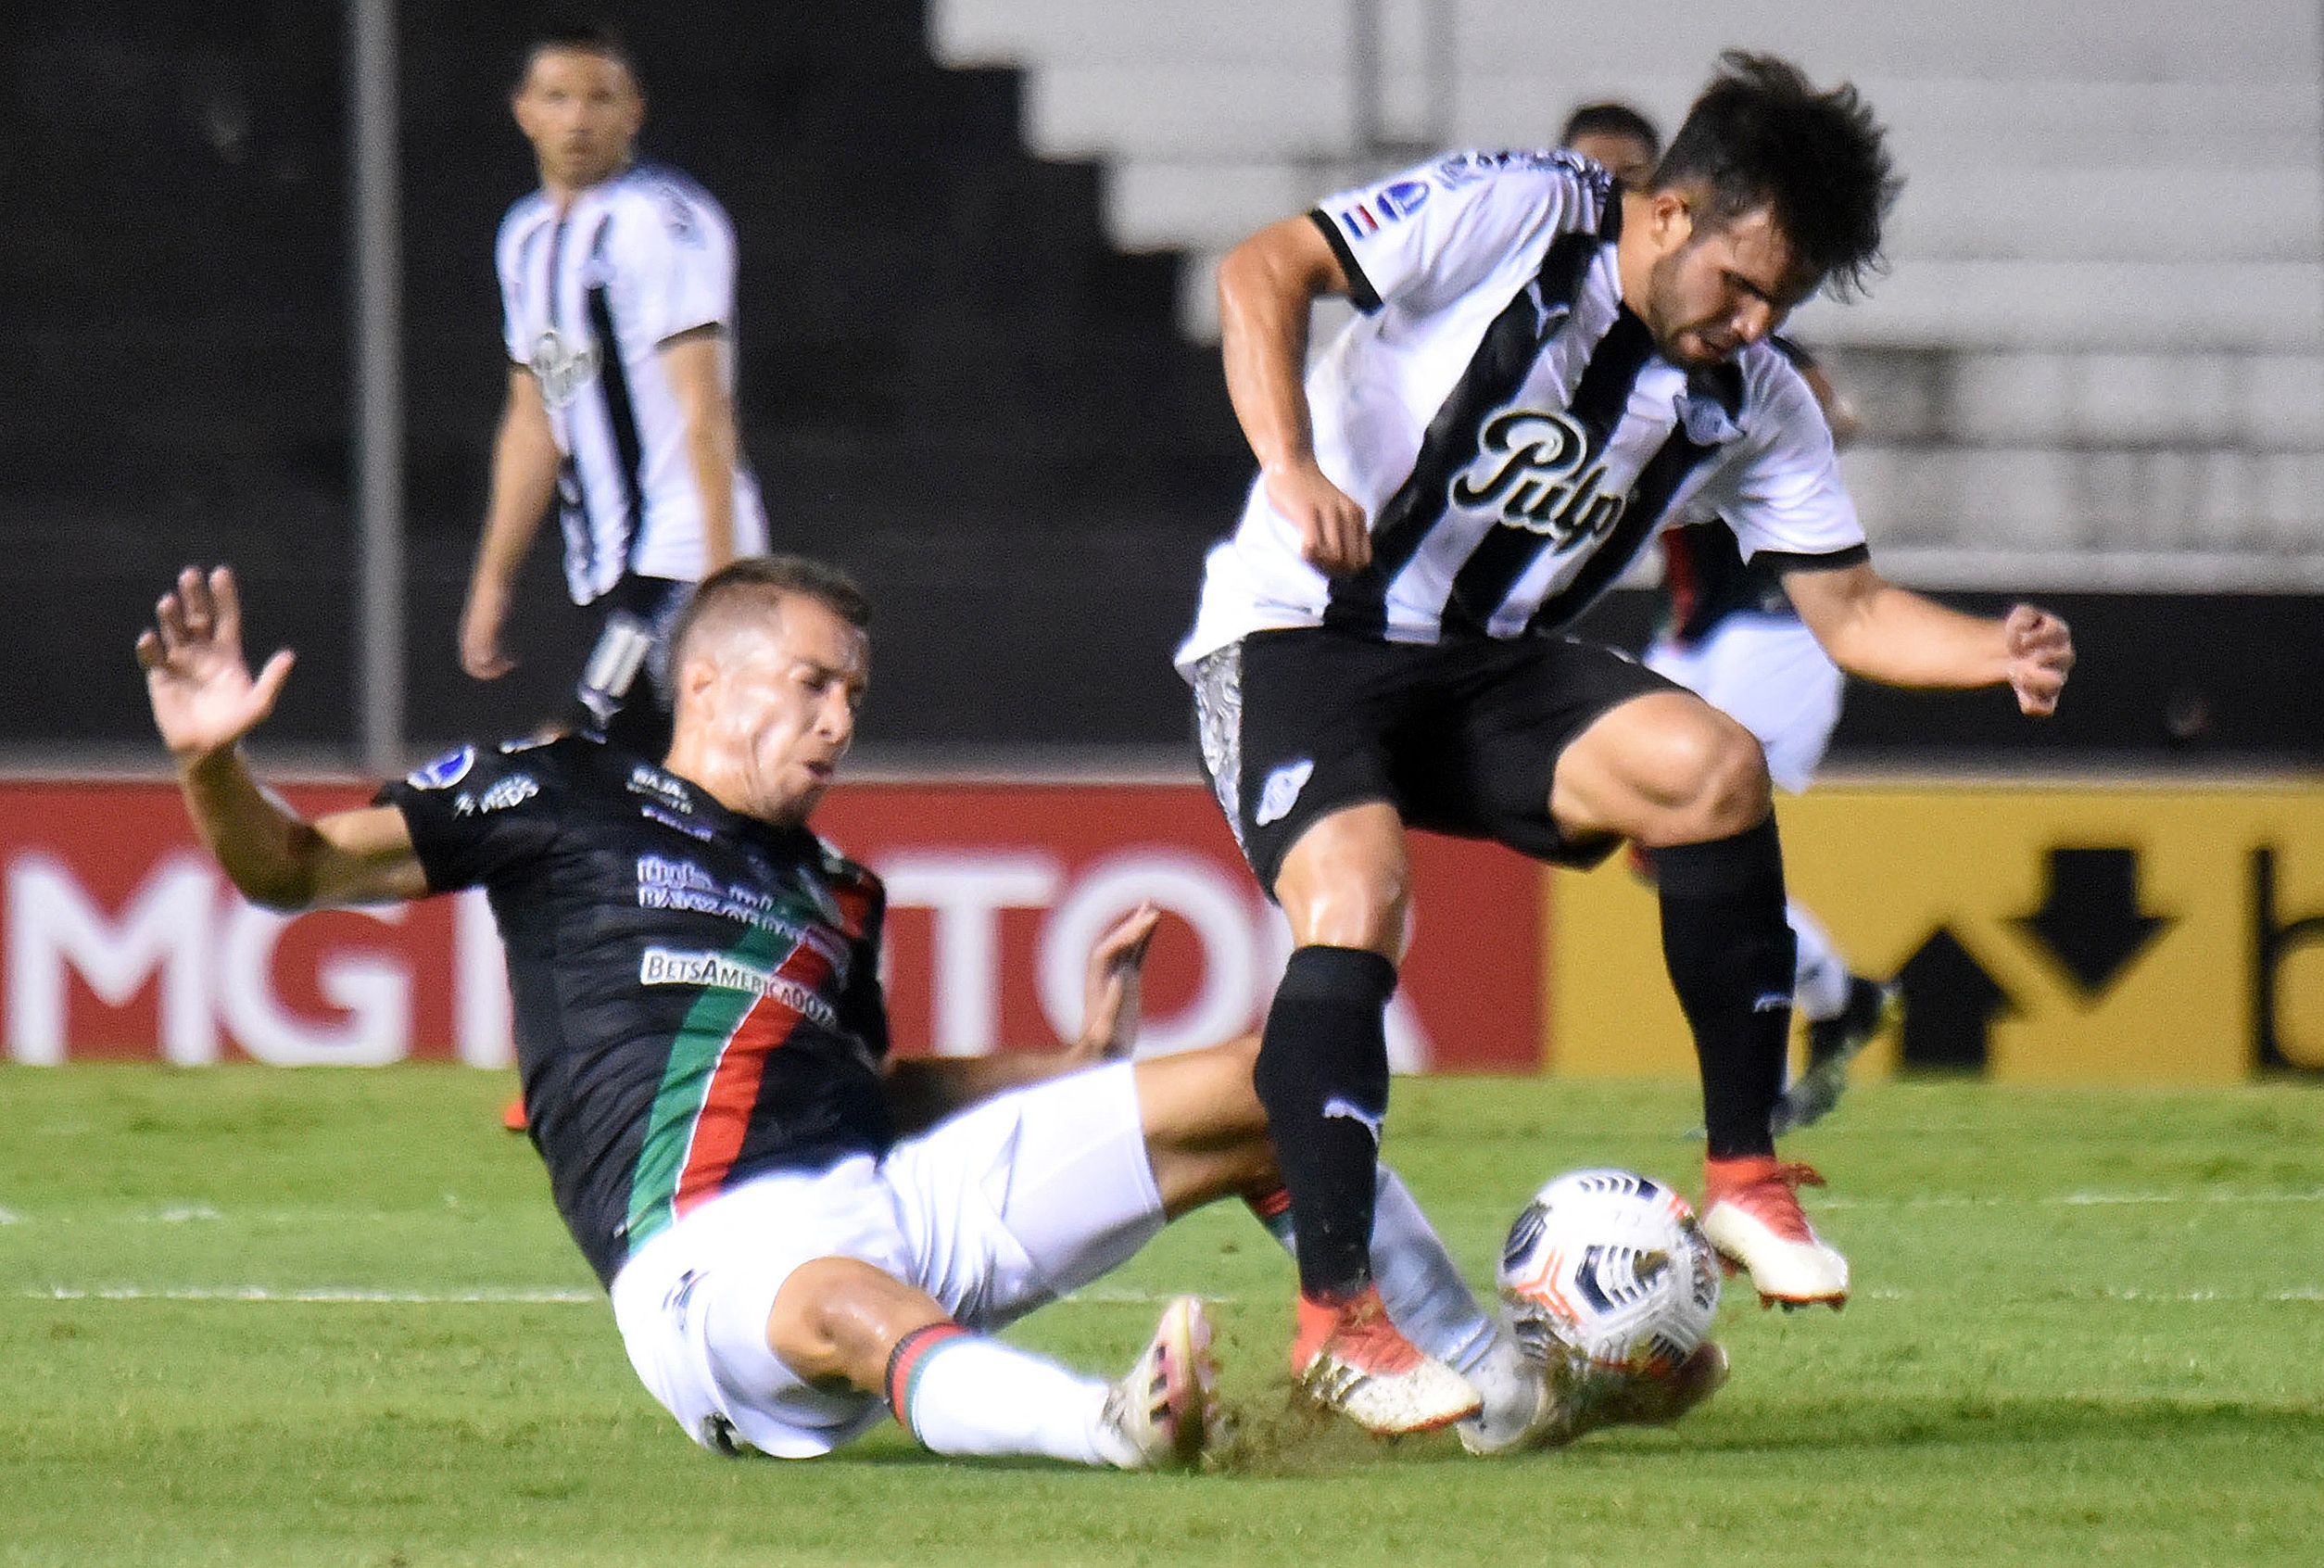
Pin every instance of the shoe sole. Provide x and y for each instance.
(1190, 1378)
(1313, 1381)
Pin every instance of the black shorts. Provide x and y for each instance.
(1462, 738)
(636, 716)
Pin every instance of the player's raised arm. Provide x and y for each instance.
(1873, 628)
(1267, 285)
(204, 701)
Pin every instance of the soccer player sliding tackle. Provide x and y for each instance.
(797, 1230)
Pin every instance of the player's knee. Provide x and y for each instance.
(1711, 778)
(836, 1319)
(1350, 903)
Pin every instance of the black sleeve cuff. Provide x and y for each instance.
(1360, 290)
(1784, 562)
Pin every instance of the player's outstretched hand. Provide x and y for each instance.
(2040, 651)
(1110, 992)
(1333, 537)
(204, 697)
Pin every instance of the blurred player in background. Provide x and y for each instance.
(797, 1230)
(617, 296)
(1545, 370)
(1730, 635)
(617, 292)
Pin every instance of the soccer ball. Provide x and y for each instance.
(1607, 1267)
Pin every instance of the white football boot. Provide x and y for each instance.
(1164, 1412)
(1353, 1360)
(1752, 1216)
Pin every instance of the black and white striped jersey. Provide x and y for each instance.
(588, 297)
(1507, 424)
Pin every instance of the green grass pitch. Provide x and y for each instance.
(255, 1317)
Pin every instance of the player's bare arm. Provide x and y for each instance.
(1873, 628)
(205, 702)
(923, 1090)
(524, 481)
(693, 360)
(1265, 286)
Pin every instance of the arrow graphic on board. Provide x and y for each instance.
(2090, 920)
(1950, 1006)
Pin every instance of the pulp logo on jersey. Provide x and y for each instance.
(1281, 791)
(715, 971)
(562, 366)
(1532, 470)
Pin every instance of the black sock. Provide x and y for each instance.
(1730, 957)
(1322, 1075)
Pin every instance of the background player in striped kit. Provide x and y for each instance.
(617, 289)
(1730, 635)
(1545, 371)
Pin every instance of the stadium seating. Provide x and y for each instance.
(2104, 333)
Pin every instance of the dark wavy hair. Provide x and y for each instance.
(1762, 135)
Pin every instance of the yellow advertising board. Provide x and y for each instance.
(2082, 932)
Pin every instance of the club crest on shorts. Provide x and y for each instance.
(1281, 791)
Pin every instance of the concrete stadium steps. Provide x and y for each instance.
(2019, 501)
(2127, 40)
(2179, 212)
(2259, 402)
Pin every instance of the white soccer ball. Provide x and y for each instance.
(1609, 1265)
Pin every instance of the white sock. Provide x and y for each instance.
(968, 1395)
(1419, 1282)
(1819, 985)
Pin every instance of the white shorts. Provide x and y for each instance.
(994, 1212)
(1770, 674)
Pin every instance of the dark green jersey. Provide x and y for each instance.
(697, 994)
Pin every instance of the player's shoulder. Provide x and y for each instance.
(1772, 385)
(1529, 173)
(525, 214)
(836, 867)
(669, 201)
(522, 778)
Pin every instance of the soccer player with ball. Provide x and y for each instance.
(1547, 370)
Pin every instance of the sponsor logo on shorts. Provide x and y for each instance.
(1773, 1002)
(1281, 791)
(715, 971)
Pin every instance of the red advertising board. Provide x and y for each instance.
(119, 939)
